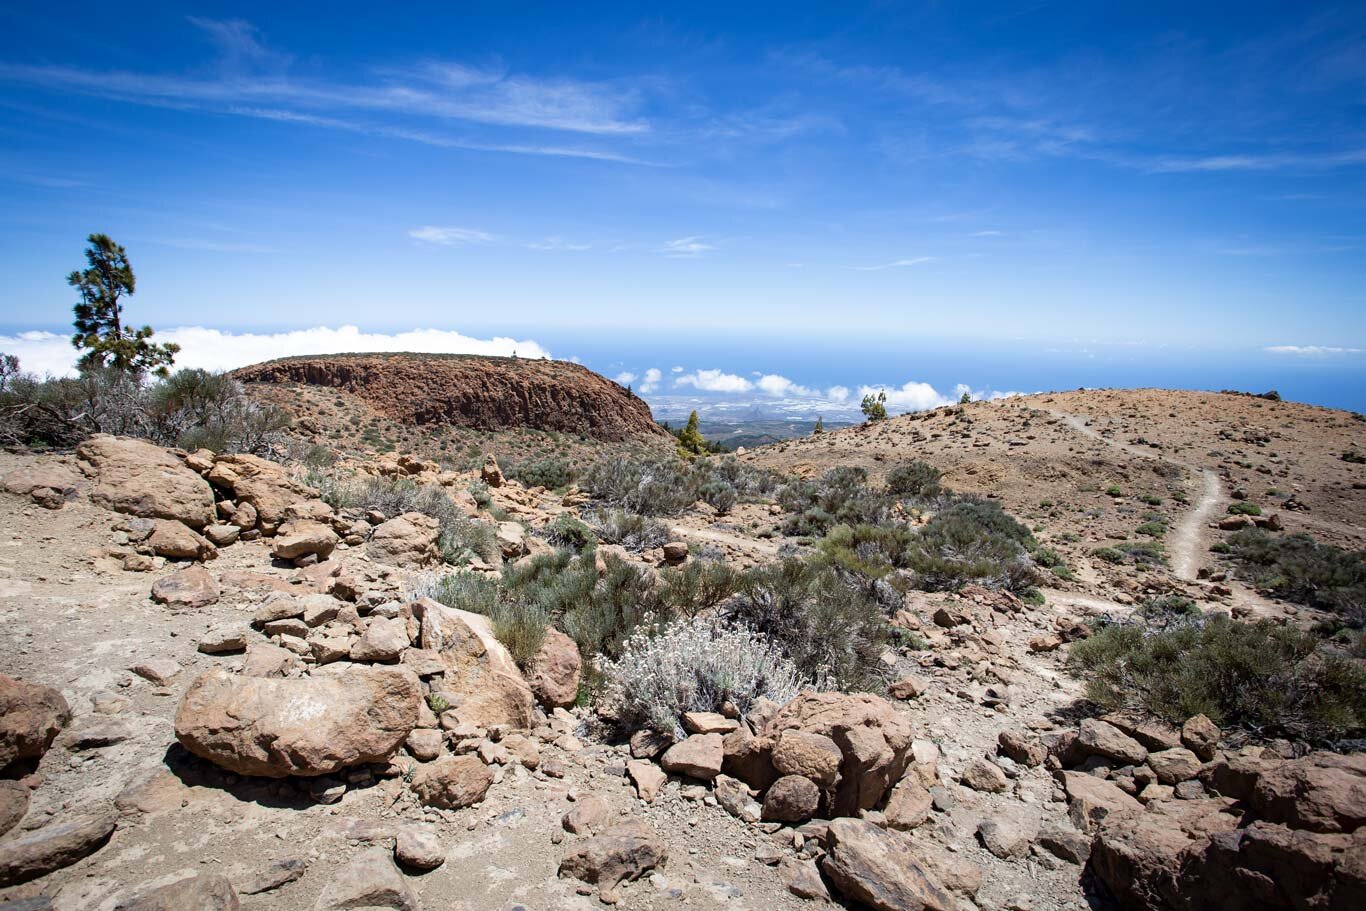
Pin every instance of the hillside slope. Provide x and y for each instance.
(482, 393)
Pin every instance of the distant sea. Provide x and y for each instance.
(1332, 380)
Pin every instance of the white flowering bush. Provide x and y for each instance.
(695, 666)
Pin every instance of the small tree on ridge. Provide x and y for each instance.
(100, 333)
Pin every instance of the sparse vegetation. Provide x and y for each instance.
(1244, 508)
(1300, 569)
(914, 480)
(551, 473)
(1268, 679)
(874, 407)
(696, 665)
(631, 530)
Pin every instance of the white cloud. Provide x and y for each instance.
(625, 378)
(914, 261)
(449, 237)
(686, 247)
(1312, 350)
(559, 243)
(775, 385)
(837, 393)
(675, 369)
(212, 349)
(652, 378)
(714, 381)
(910, 396)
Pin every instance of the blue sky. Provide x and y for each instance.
(1006, 197)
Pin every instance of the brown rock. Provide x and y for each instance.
(369, 881)
(425, 744)
(479, 670)
(264, 486)
(1201, 736)
(201, 892)
(31, 716)
(556, 671)
(909, 806)
(748, 758)
(877, 867)
(792, 798)
(56, 845)
(623, 852)
(908, 687)
(13, 804)
(50, 486)
(490, 473)
(1008, 836)
(803, 878)
(700, 756)
(193, 586)
(453, 782)
(298, 726)
(675, 552)
(1097, 738)
(647, 777)
(812, 756)
(589, 814)
(708, 723)
(141, 479)
(982, 775)
(384, 640)
(1321, 792)
(1091, 800)
(178, 541)
(406, 540)
(874, 739)
(1021, 748)
(1175, 765)
(303, 538)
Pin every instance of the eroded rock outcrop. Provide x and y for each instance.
(142, 479)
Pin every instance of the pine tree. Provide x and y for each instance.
(820, 426)
(100, 332)
(965, 399)
(690, 441)
(875, 407)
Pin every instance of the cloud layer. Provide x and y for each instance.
(47, 353)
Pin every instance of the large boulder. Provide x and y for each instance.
(141, 479)
(874, 741)
(54, 846)
(266, 486)
(298, 726)
(482, 682)
(177, 541)
(31, 716)
(406, 540)
(877, 868)
(556, 671)
(1321, 792)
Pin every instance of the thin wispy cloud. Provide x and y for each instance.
(558, 243)
(686, 247)
(713, 381)
(1260, 162)
(1313, 350)
(897, 264)
(450, 237)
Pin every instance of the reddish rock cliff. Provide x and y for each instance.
(485, 393)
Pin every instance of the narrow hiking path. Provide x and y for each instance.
(1187, 540)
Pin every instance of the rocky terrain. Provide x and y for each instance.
(465, 391)
(219, 691)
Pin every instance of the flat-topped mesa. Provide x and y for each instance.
(484, 393)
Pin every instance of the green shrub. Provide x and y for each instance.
(1114, 491)
(697, 585)
(973, 541)
(1108, 554)
(838, 497)
(719, 495)
(1300, 569)
(1268, 679)
(1151, 499)
(567, 531)
(550, 473)
(915, 480)
(1244, 508)
(1152, 529)
(657, 487)
(831, 627)
(871, 551)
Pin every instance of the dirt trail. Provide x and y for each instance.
(1185, 544)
